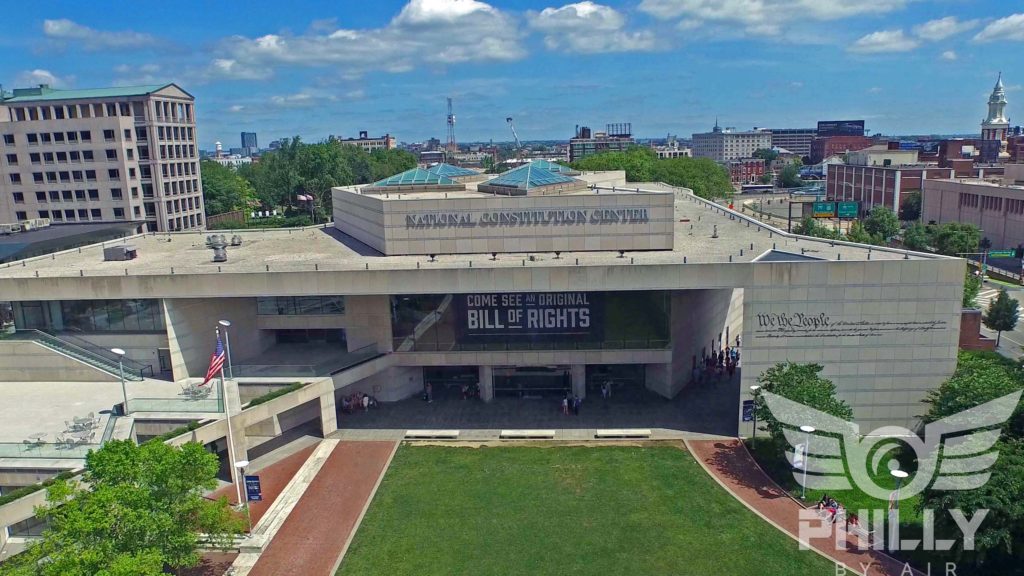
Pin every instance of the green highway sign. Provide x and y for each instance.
(1000, 253)
(848, 209)
(824, 209)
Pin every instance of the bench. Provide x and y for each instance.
(435, 434)
(526, 434)
(623, 433)
(853, 526)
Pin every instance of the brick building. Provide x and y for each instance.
(746, 170)
(824, 147)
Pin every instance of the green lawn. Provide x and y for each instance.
(563, 510)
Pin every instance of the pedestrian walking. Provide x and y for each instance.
(366, 402)
(576, 405)
(430, 392)
(565, 406)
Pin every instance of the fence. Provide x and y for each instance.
(233, 216)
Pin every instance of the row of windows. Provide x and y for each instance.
(91, 315)
(175, 133)
(177, 151)
(71, 156)
(71, 176)
(300, 305)
(73, 195)
(186, 187)
(1014, 206)
(185, 222)
(79, 215)
(179, 205)
(178, 169)
(71, 111)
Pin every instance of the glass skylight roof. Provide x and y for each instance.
(553, 167)
(415, 176)
(529, 176)
(451, 171)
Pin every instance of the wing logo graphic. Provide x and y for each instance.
(955, 453)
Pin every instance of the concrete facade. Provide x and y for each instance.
(995, 206)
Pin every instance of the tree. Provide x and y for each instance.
(765, 178)
(800, 383)
(910, 207)
(1001, 315)
(972, 285)
(916, 237)
(881, 222)
(706, 178)
(142, 509)
(766, 154)
(954, 238)
(857, 233)
(224, 189)
(789, 177)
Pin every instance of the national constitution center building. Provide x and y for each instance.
(530, 284)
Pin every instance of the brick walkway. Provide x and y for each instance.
(318, 529)
(730, 463)
(273, 479)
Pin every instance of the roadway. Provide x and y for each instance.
(1012, 342)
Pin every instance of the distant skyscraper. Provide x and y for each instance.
(249, 144)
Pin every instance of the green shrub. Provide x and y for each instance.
(276, 393)
(26, 490)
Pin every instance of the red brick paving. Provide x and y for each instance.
(273, 479)
(312, 538)
(730, 462)
(211, 564)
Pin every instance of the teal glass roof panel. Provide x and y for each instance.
(553, 167)
(529, 176)
(415, 176)
(40, 94)
(451, 171)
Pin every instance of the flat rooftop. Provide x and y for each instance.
(740, 239)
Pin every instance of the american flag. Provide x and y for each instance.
(216, 361)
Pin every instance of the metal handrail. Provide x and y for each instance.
(129, 364)
(63, 345)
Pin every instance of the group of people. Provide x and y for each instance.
(717, 364)
(357, 401)
(571, 402)
(831, 507)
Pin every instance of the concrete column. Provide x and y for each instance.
(486, 383)
(579, 379)
(328, 414)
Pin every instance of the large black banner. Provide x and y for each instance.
(531, 315)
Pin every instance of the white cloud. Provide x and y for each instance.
(943, 28)
(589, 28)
(130, 75)
(65, 30)
(1009, 28)
(884, 41)
(236, 108)
(432, 32)
(38, 76)
(949, 55)
(765, 17)
(874, 90)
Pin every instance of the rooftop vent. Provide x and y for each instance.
(120, 253)
(220, 254)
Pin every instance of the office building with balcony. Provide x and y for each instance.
(101, 155)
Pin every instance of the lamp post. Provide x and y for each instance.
(227, 345)
(120, 370)
(808, 430)
(894, 508)
(754, 390)
(240, 469)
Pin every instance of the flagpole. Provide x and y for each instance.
(230, 436)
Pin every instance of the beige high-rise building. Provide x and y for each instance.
(723, 145)
(101, 155)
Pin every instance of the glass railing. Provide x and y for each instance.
(65, 445)
(412, 345)
(210, 405)
(328, 367)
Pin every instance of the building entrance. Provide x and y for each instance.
(532, 381)
(629, 379)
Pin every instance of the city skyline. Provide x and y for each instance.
(667, 66)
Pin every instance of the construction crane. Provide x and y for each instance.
(519, 145)
(451, 145)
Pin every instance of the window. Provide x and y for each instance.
(19, 113)
(94, 194)
(111, 110)
(119, 213)
(77, 175)
(41, 197)
(48, 157)
(69, 214)
(127, 133)
(111, 154)
(83, 214)
(131, 173)
(115, 193)
(19, 197)
(12, 159)
(21, 215)
(300, 305)
(35, 158)
(137, 211)
(58, 137)
(135, 191)
(15, 178)
(62, 157)
(45, 137)
(65, 177)
(9, 139)
(51, 176)
(54, 196)
(87, 155)
(108, 135)
(44, 213)
(114, 174)
(66, 195)
(86, 135)
(72, 136)
(33, 139)
(90, 175)
(80, 195)
(75, 155)
(45, 112)
(33, 113)
(57, 215)
(130, 153)
(97, 213)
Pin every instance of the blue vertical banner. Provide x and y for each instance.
(253, 490)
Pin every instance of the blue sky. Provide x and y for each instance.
(667, 66)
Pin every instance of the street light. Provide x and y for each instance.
(240, 472)
(227, 345)
(120, 369)
(894, 509)
(754, 390)
(807, 451)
